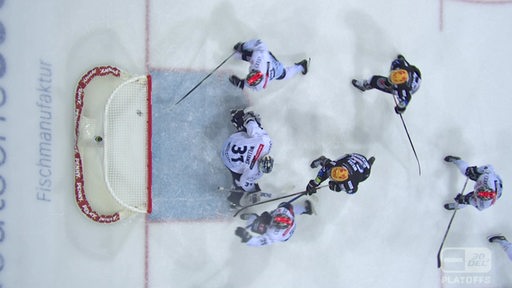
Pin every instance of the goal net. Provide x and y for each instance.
(113, 144)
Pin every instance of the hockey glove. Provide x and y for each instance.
(250, 115)
(237, 82)
(237, 119)
(472, 173)
(311, 188)
(334, 186)
(261, 223)
(258, 227)
(243, 234)
(265, 218)
(239, 47)
(319, 162)
(460, 199)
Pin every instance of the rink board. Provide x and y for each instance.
(186, 143)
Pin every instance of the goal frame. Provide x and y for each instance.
(80, 194)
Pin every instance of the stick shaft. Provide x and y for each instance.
(409, 137)
(448, 229)
(297, 194)
(207, 76)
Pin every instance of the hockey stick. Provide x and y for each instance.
(200, 82)
(448, 229)
(297, 194)
(409, 136)
(232, 190)
(220, 188)
(295, 198)
(252, 223)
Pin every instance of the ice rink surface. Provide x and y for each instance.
(386, 235)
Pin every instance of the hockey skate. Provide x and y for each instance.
(451, 206)
(308, 207)
(234, 206)
(237, 82)
(451, 159)
(361, 85)
(247, 216)
(317, 162)
(234, 200)
(496, 237)
(304, 63)
(237, 112)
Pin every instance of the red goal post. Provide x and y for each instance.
(113, 144)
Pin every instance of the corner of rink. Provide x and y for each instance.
(187, 138)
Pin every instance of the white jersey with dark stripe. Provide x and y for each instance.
(262, 60)
(487, 181)
(273, 233)
(241, 153)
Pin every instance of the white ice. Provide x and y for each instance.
(386, 235)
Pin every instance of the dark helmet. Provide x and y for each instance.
(281, 221)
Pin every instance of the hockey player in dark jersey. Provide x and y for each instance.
(344, 174)
(403, 81)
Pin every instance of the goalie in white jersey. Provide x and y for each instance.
(246, 155)
(487, 189)
(264, 67)
(275, 226)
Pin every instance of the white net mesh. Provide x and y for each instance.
(126, 144)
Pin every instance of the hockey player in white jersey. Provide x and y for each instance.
(344, 173)
(270, 227)
(246, 155)
(264, 67)
(487, 188)
(503, 242)
(403, 81)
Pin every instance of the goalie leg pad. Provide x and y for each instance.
(250, 198)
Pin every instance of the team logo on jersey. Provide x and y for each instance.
(339, 173)
(398, 76)
(486, 195)
(254, 78)
(257, 156)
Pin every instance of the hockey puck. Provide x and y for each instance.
(98, 139)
